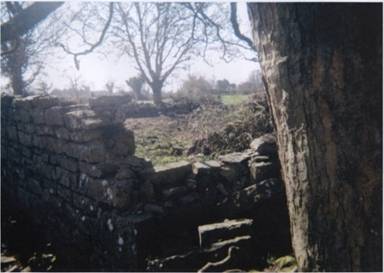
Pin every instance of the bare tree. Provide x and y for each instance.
(136, 84)
(163, 37)
(43, 87)
(110, 86)
(159, 37)
(195, 86)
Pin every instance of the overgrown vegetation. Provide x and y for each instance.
(210, 130)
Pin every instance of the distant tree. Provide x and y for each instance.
(43, 87)
(223, 86)
(195, 86)
(136, 84)
(232, 87)
(110, 86)
(163, 37)
(255, 78)
(253, 84)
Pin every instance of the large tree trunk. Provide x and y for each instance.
(322, 65)
(16, 69)
(157, 93)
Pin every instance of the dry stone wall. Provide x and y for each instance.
(73, 168)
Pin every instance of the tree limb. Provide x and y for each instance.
(27, 19)
(236, 28)
(95, 45)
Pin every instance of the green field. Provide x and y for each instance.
(234, 99)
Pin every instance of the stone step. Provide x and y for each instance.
(217, 232)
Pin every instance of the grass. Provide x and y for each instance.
(160, 150)
(234, 99)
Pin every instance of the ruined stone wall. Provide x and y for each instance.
(73, 168)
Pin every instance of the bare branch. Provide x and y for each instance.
(96, 44)
(236, 27)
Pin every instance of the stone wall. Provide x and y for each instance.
(73, 168)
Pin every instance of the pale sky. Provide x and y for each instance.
(96, 70)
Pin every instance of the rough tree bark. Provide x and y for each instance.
(322, 65)
(157, 87)
(14, 69)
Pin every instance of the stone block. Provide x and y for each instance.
(214, 233)
(66, 178)
(120, 196)
(265, 145)
(53, 159)
(269, 187)
(82, 120)
(26, 152)
(190, 198)
(235, 168)
(54, 116)
(125, 173)
(25, 139)
(52, 144)
(90, 169)
(62, 133)
(6, 100)
(35, 186)
(200, 167)
(235, 158)
(248, 198)
(147, 191)
(91, 187)
(174, 192)
(93, 152)
(26, 128)
(260, 171)
(171, 174)
(38, 142)
(213, 164)
(38, 116)
(206, 176)
(154, 209)
(84, 136)
(64, 193)
(111, 192)
(44, 101)
(68, 163)
(12, 132)
(119, 140)
(23, 102)
(44, 130)
(110, 101)
(22, 115)
(84, 204)
(47, 171)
